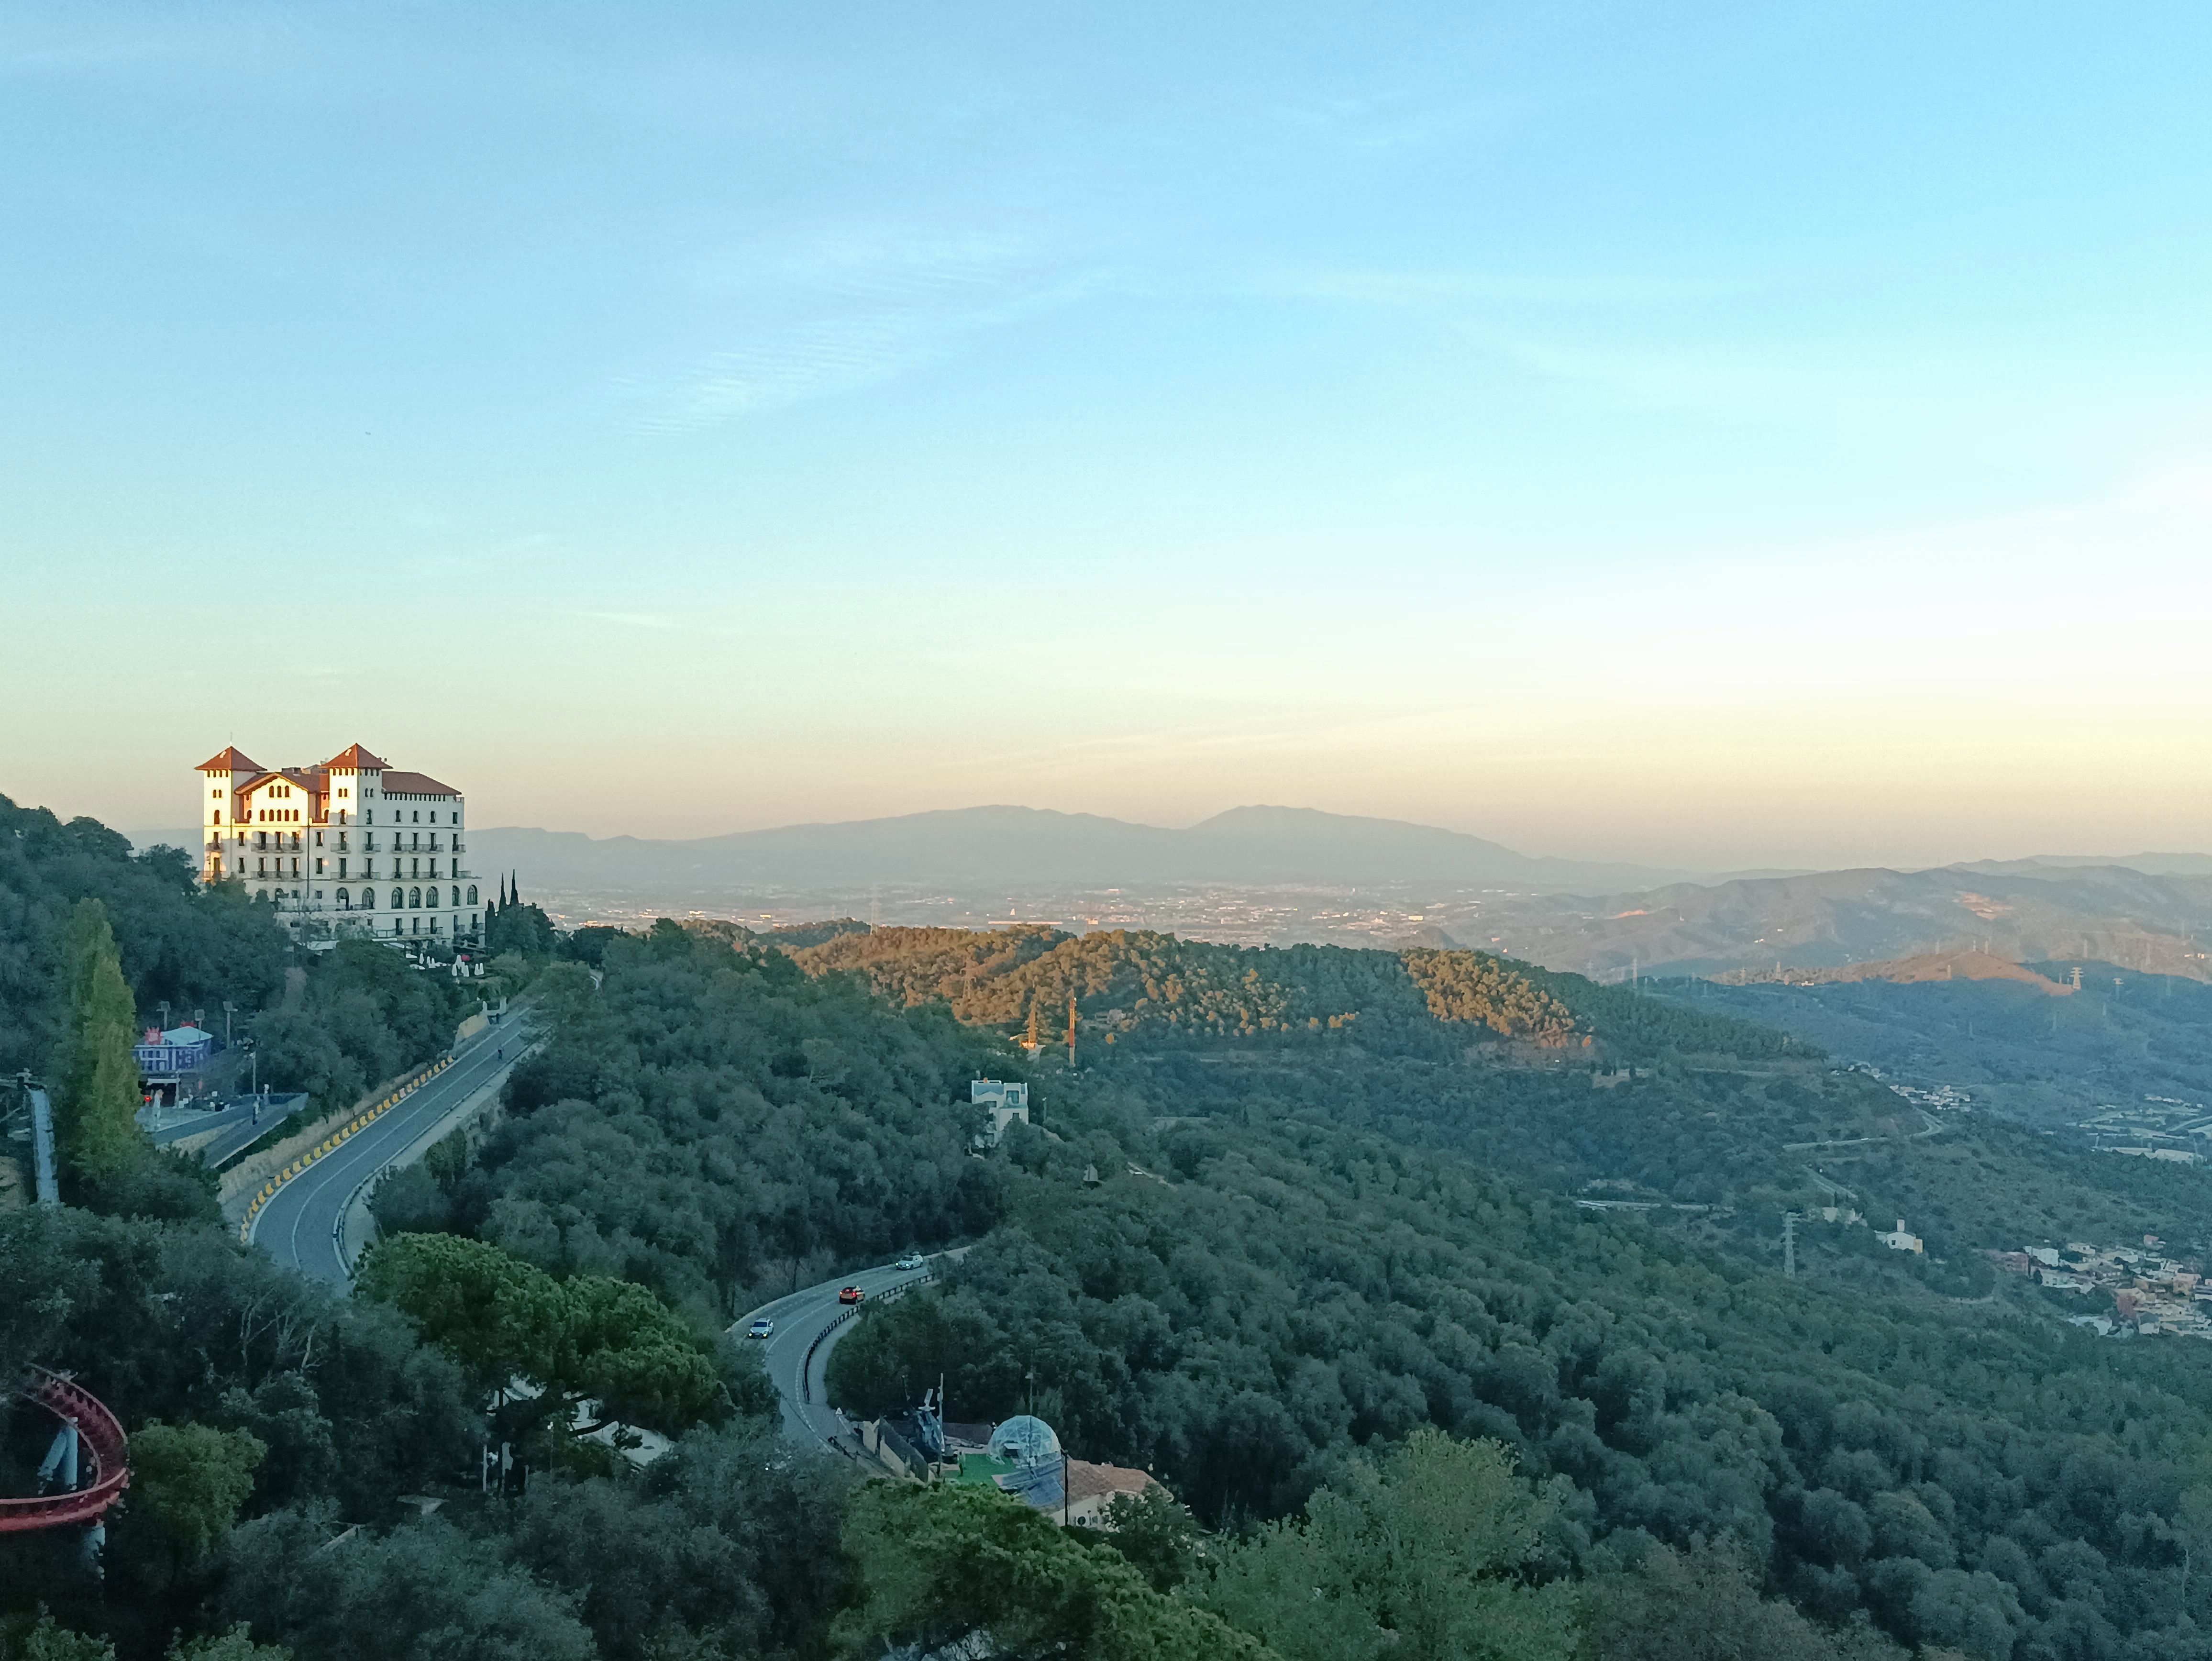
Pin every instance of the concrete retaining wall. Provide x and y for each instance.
(263, 1170)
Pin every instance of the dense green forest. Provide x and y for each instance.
(1329, 1283)
(1275, 1289)
(1724, 1123)
(2046, 1059)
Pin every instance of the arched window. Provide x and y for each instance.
(345, 900)
(399, 899)
(473, 895)
(369, 899)
(457, 897)
(414, 899)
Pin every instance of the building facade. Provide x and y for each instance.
(1004, 1102)
(351, 845)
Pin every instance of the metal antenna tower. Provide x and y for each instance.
(1789, 1244)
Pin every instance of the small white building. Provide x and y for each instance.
(349, 846)
(1901, 1238)
(1005, 1102)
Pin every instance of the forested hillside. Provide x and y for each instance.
(1415, 1406)
(1156, 989)
(2049, 1060)
(1268, 1293)
(1287, 1294)
(713, 1121)
(287, 1447)
(178, 943)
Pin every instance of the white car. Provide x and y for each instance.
(760, 1328)
(912, 1260)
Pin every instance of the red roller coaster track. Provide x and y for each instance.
(102, 1452)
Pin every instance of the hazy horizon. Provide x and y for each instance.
(145, 835)
(1735, 441)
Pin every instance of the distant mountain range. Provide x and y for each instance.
(963, 847)
(2024, 911)
(2147, 911)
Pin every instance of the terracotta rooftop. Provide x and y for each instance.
(415, 784)
(353, 758)
(1085, 1478)
(230, 760)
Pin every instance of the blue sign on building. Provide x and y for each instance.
(180, 1050)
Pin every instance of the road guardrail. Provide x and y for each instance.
(360, 1122)
(806, 1363)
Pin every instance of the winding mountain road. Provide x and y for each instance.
(303, 1225)
(796, 1362)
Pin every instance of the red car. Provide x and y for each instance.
(851, 1295)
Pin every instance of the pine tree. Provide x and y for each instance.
(99, 1121)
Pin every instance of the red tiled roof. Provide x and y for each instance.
(1086, 1480)
(415, 784)
(353, 758)
(229, 760)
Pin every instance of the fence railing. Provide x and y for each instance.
(807, 1364)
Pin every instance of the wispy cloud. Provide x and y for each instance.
(845, 308)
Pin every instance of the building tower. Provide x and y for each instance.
(226, 776)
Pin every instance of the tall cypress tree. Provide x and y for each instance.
(98, 1119)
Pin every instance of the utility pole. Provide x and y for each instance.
(1789, 1244)
(1071, 1030)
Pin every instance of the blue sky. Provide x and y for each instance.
(1716, 434)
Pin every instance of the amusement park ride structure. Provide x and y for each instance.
(87, 1466)
(88, 1459)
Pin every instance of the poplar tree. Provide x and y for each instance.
(99, 1127)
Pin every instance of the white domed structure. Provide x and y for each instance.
(1025, 1439)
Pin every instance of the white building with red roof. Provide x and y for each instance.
(349, 846)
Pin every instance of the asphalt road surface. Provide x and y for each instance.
(799, 1319)
(236, 1126)
(301, 1224)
